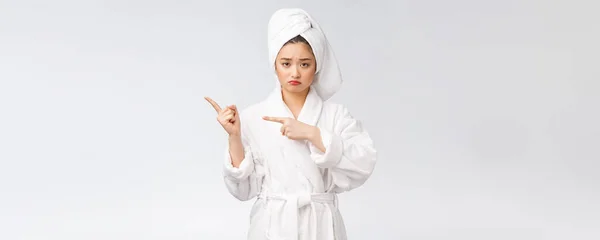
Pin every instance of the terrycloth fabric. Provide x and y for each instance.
(296, 183)
(288, 23)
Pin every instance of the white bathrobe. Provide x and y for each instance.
(294, 183)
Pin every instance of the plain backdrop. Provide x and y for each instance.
(485, 115)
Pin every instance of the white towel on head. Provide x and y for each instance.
(288, 23)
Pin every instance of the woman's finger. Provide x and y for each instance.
(236, 114)
(283, 129)
(228, 117)
(226, 111)
(213, 103)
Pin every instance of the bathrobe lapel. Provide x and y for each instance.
(294, 155)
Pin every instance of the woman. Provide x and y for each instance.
(294, 151)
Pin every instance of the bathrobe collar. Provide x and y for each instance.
(310, 112)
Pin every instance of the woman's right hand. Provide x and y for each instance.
(228, 117)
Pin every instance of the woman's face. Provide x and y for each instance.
(295, 66)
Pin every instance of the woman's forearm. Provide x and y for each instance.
(316, 139)
(236, 150)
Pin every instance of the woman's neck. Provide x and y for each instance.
(294, 101)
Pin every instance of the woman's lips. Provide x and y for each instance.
(293, 82)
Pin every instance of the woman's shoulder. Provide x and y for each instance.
(335, 108)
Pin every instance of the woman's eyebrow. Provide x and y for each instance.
(289, 59)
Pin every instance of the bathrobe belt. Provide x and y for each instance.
(287, 227)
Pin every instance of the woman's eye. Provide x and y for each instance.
(305, 64)
(285, 64)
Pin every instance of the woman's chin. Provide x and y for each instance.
(295, 88)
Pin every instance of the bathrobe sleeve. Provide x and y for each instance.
(244, 181)
(350, 156)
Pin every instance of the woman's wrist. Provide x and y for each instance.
(315, 139)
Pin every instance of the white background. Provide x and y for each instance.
(485, 115)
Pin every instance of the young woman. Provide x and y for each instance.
(295, 151)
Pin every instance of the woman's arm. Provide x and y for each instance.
(241, 176)
(347, 151)
(236, 150)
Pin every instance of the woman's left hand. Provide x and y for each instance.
(294, 129)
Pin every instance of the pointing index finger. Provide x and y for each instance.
(273, 119)
(214, 104)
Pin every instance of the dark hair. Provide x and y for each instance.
(298, 39)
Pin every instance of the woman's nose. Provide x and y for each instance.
(295, 72)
